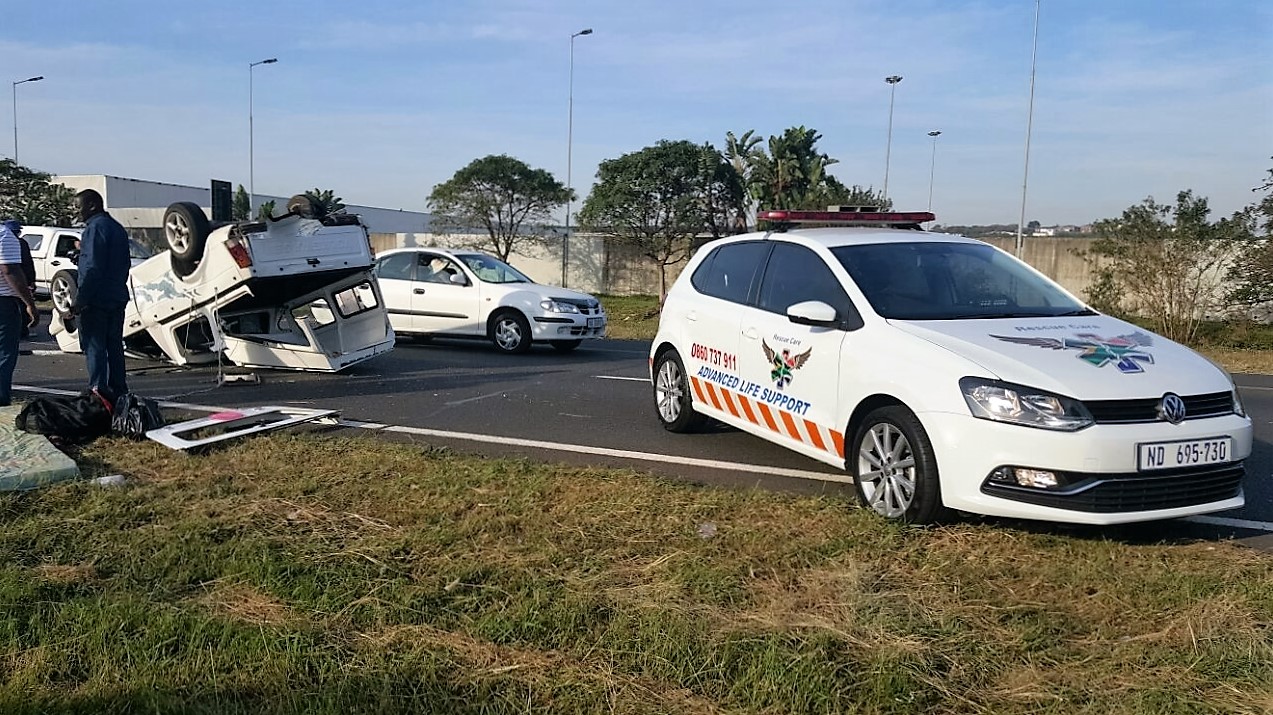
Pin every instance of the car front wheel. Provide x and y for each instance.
(895, 471)
(672, 400)
(510, 332)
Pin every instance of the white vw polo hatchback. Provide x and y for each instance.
(466, 294)
(944, 374)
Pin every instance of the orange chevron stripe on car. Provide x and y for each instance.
(762, 415)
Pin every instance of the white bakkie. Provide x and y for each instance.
(944, 374)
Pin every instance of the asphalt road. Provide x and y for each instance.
(544, 403)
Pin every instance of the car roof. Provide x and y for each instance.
(834, 237)
(453, 252)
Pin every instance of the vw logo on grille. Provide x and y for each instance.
(1172, 408)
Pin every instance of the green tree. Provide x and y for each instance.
(1165, 263)
(504, 196)
(32, 198)
(326, 202)
(241, 208)
(265, 210)
(741, 153)
(722, 193)
(789, 172)
(653, 200)
(1252, 272)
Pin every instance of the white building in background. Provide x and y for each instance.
(140, 204)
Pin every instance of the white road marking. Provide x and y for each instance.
(1253, 387)
(620, 377)
(623, 454)
(535, 444)
(1236, 523)
(501, 393)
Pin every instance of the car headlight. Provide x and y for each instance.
(1238, 409)
(1005, 402)
(556, 306)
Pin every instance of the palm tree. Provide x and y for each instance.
(326, 202)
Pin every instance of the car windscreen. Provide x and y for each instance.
(492, 270)
(951, 281)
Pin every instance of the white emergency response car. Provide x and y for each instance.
(944, 374)
(293, 292)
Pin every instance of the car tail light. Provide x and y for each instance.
(239, 252)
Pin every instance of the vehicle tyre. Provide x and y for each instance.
(64, 290)
(186, 232)
(510, 331)
(894, 468)
(673, 402)
(303, 206)
(565, 346)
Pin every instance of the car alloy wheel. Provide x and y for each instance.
(895, 469)
(886, 470)
(511, 333)
(62, 291)
(177, 232)
(672, 400)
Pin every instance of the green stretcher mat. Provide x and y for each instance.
(28, 461)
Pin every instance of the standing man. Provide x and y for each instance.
(103, 283)
(17, 308)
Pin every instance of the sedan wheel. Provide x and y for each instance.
(895, 470)
(511, 333)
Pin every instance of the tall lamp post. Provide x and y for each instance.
(570, 131)
(1029, 125)
(15, 112)
(252, 141)
(932, 169)
(888, 151)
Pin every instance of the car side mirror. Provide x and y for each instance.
(815, 313)
(458, 279)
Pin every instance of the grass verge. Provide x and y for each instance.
(1239, 348)
(292, 574)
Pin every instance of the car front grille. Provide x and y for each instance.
(1212, 404)
(1137, 491)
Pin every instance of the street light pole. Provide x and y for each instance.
(252, 142)
(15, 112)
(888, 151)
(570, 131)
(932, 170)
(1029, 125)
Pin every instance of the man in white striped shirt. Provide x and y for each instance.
(17, 307)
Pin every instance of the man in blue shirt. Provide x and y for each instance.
(103, 293)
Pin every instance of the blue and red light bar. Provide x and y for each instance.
(863, 217)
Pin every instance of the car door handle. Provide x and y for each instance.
(751, 334)
(55, 263)
(418, 291)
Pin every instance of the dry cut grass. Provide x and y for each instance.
(309, 574)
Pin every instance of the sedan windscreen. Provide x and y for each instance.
(492, 270)
(950, 281)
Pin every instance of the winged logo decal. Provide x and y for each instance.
(784, 363)
(1126, 352)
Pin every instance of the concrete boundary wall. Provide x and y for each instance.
(599, 265)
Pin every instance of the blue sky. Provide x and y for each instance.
(380, 100)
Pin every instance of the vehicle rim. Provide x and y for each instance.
(508, 334)
(886, 470)
(669, 390)
(177, 231)
(61, 293)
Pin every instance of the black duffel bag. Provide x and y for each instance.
(79, 418)
(135, 415)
